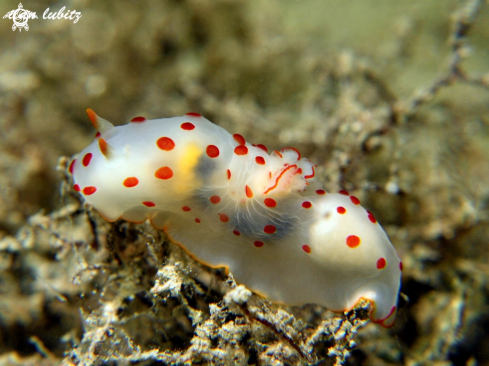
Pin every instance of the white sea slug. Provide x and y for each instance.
(230, 204)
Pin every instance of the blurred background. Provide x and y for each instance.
(389, 98)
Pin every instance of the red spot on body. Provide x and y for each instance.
(269, 229)
(89, 190)
(249, 192)
(353, 241)
(341, 210)
(197, 220)
(371, 217)
(306, 248)
(186, 208)
(164, 173)
(236, 232)
(193, 114)
(86, 159)
(354, 200)
(381, 263)
(149, 204)
(401, 267)
(98, 134)
(344, 193)
(263, 147)
(76, 187)
(239, 139)
(165, 143)
(321, 191)
(241, 150)
(270, 202)
(72, 165)
(212, 151)
(223, 217)
(215, 199)
(138, 119)
(130, 182)
(187, 126)
(229, 174)
(260, 160)
(306, 204)
(258, 244)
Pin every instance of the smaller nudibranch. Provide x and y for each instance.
(230, 203)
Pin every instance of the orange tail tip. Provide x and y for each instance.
(98, 122)
(105, 148)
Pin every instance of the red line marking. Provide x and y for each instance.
(279, 177)
(311, 175)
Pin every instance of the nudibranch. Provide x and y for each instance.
(229, 203)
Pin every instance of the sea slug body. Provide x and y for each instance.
(229, 203)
